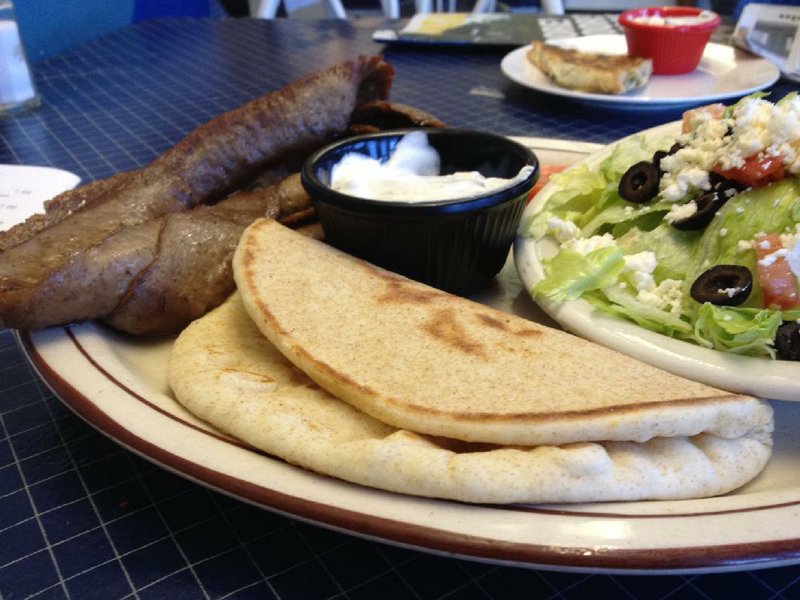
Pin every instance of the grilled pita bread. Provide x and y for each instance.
(224, 371)
(590, 71)
(423, 360)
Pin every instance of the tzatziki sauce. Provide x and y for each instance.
(674, 20)
(411, 175)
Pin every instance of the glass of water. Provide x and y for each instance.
(17, 90)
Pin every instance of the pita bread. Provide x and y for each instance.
(427, 361)
(224, 371)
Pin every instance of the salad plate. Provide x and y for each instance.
(763, 377)
(723, 72)
(118, 384)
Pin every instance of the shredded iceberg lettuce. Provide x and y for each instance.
(588, 198)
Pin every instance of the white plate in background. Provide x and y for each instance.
(723, 72)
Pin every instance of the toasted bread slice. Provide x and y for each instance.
(590, 71)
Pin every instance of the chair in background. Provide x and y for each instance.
(391, 8)
(268, 9)
(427, 6)
(559, 7)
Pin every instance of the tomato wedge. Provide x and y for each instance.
(690, 116)
(778, 283)
(545, 171)
(757, 171)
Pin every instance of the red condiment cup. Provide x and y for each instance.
(673, 48)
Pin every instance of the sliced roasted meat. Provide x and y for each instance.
(218, 157)
(379, 115)
(189, 271)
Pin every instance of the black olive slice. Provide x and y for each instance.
(787, 341)
(675, 147)
(707, 206)
(659, 154)
(640, 183)
(723, 184)
(723, 285)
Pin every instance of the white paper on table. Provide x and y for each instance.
(772, 31)
(16, 84)
(24, 188)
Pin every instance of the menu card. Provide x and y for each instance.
(771, 31)
(496, 29)
(24, 188)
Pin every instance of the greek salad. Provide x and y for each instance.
(695, 236)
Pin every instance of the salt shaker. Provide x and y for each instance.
(17, 90)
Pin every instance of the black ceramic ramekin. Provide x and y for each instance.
(455, 245)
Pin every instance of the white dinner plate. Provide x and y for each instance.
(763, 377)
(119, 385)
(723, 72)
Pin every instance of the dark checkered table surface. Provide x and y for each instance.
(80, 517)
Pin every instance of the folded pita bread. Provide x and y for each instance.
(420, 359)
(224, 371)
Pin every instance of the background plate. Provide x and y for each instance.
(723, 72)
(118, 384)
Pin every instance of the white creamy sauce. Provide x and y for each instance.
(674, 21)
(411, 175)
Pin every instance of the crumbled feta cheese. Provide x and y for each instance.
(723, 231)
(587, 245)
(562, 229)
(789, 239)
(729, 292)
(667, 295)
(678, 212)
(642, 261)
(757, 127)
(793, 258)
(744, 245)
(685, 180)
(770, 259)
(641, 267)
(642, 281)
